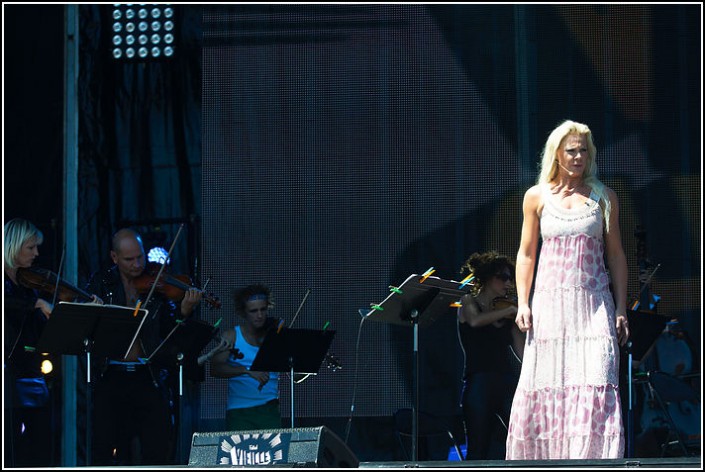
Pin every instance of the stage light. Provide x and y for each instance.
(158, 255)
(47, 366)
(143, 32)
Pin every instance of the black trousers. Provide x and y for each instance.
(132, 420)
(486, 395)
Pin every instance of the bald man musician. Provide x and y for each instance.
(131, 418)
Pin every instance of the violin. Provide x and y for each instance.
(46, 281)
(217, 334)
(500, 303)
(173, 287)
(503, 302)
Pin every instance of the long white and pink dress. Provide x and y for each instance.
(567, 404)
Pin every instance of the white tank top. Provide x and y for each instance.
(242, 389)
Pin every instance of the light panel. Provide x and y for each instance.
(142, 31)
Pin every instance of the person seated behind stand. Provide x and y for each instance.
(253, 397)
(489, 339)
(131, 397)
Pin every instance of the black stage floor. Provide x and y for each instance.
(644, 463)
(670, 463)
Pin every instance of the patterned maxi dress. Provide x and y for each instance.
(567, 404)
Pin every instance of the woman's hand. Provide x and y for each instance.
(261, 377)
(223, 345)
(622, 329)
(45, 306)
(523, 318)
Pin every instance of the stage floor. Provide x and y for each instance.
(669, 462)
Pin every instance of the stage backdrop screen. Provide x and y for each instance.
(346, 147)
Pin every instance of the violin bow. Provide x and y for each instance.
(166, 338)
(58, 276)
(648, 280)
(149, 295)
(308, 291)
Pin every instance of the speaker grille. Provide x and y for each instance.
(304, 447)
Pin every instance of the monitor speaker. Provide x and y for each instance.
(297, 447)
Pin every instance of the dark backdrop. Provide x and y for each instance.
(343, 148)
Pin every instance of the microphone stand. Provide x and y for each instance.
(630, 410)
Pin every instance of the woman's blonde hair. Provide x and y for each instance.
(549, 162)
(17, 232)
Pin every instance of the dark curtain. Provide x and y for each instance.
(140, 154)
(140, 135)
(33, 121)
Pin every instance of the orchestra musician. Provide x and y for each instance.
(253, 397)
(489, 340)
(27, 413)
(131, 398)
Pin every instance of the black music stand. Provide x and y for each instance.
(90, 328)
(419, 301)
(185, 345)
(78, 328)
(299, 351)
(645, 328)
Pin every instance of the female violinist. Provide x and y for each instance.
(27, 399)
(253, 397)
(486, 333)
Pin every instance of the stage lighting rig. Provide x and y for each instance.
(141, 32)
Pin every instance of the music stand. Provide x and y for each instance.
(419, 301)
(185, 344)
(299, 351)
(645, 328)
(77, 328)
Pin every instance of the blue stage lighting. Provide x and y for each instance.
(158, 254)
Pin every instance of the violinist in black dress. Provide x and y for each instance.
(490, 340)
(132, 421)
(27, 403)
